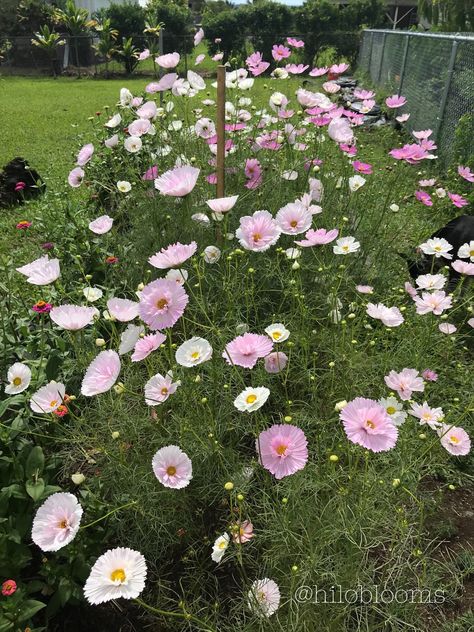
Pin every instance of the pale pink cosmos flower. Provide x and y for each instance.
(411, 153)
(390, 316)
(112, 142)
(42, 271)
(318, 72)
(395, 101)
(424, 198)
(122, 309)
(455, 440)
(199, 59)
(297, 69)
(431, 281)
(75, 177)
(243, 532)
(173, 255)
(101, 225)
(295, 43)
(146, 345)
(159, 388)
(118, 573)
(151, 173)
(339, 129)
(403, 118)
(331, 87)
(367, 423)
(410, 290)
(280, 52)
(144, 55)
(405, 382)
(177, 182)
(222, 205)
(463, 267)
(101, 374)
(139, 127)
(172, 467)
(165, 83)
(429, 375)
(258, 232)
(365, 289)
(85, 154)
(338, 69)
(427, 183)
(422, 134)
(48, 398)
(162, 303)
(56, 522)
(170, 60)
(147, 111)
(426, 414)
(435, 302)
(466, 173)
(72, 317)
(293, 219)
(275, 362)
(205, 128)
(447, 328)
(282, 449)
(437, 246)
(457, 200)
(198, 36)
(359, 93)
(318, 237)
(263, 598)
(245, 350)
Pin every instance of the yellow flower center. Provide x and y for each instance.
(454, 439)
(294, 224)
(223, 544)
(161, 303)
(257, 236)
(251, 398)
(276, 335)
(391, 410)
(437, 248)
(370, 424)
(17, 381)
(63, 524)
(40, 303)
(281, 449)
(195, 355)
(118, 575)
(171, 470)
(345, 248)
(53, 403)
(164, 391)
(471, 253)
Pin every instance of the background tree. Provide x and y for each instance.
(48, 41)
(448, 15)
(106, 46)
(177, 20)
(128, 19)
(127, 55)
(76, 21)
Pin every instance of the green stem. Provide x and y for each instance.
(179, 615)
(134, 502)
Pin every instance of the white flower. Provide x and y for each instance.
(277, 332)
(114, 121)
(264, 597)
(394, 410)
(438, 247)
(289, 175)
(112, 142)
(345, 245)
(292, 253)
(42, 271)
(129, 338)
(394, 208)
(56, 522)
(466, 251)
(19, 378)
(193, 352)
(133, 144)
(356, 182)
(178, 275)
(431, 281)
(201, 218)
(251, 399)
(219, 547)
(212, 254)
(117, 573)
(48, 398)
(92, 294)
(441, 193)
(126, 97)
(124, 186)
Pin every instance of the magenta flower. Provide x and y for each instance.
(24, 224)
(162, 303)
(424, 198)
(76, 177)
(282, 450)
(318, 237)
(429, 375)
(405, 382)
(101, 374)
(280, 52)
(258, 232)
(466, 173)
(41, 307)
(146, 345)
(455, 440)
(172, 467)
(19, 186)
(56, 522)
(122, 309)
(395, 101)
(9, 587)
(457, 199)
(177, 182)
(245, 350)
(275, 362)
(173, 256)
(367, 423)
(85, 154)
(362, 167)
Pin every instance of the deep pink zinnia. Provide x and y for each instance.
(245, 350)
(173, 256)
(8, 587)
(318, 237)
(367, 423)
(162, 303)
(282, 449)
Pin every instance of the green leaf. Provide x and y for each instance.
(5, 626)
(35, 489)
(34, 462)
(5, 405)
(53, 365)
(29, 608)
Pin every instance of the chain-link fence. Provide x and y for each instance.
(435, 72)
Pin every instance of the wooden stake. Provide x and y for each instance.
(220, 129)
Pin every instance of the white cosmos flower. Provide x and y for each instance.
(124, 186)
(356, 182)
(201, 218)
(101, 225)
(19, 378)
(193, 352)
(466, 251)
(114, 121)
(112, 142)
(212, 254)
(394, 410)
(431, 281)
(126, 97)
(438, 247)
(264, 597)
(277, 332)
(117, 573)
(293, 253)
(289, 175)
(346, 245)
(177, 274)
(251, 399)
(219, 547)
(133, 144)
(129, 338)
(92, 294)
(73, 317)
(48, 398)
(56, 522)
(42, 271)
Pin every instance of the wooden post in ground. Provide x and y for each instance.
(220, 130)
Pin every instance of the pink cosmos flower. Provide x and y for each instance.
(350, 150)
(282, 449)
(144, 55)
(258, 232)
(75, 177)
(170, 60)
(57, 522)
(218, 57)
(122, 309)
(243, 532)
(72, 317)
(259, 69)
(172, 467)
(42, 271)
(367, 423)
(199, 59)
(331, 87)
(424, 198)
(427, 183)
(455, 440)
(338, 69)
(403, 118)
(263, 598)
(429, 375)
(48, 398)
(147, 111)
(432, 302)
(280, 52)
(318, 237)
(245, 350)
(146, 345)
(293, 218)
(365, 289)
(395, 101)
(405, 382)
(318, 72)
(162, 303)
(222, 205)
(198, 37)
(296, 69)
(466, 173)
(430, 281)
(165, 83)
(139, 127)
(339, 129)
(363, 94)
(390, 316)
(85, 154)
(177, 182)
(295, 43)
(159, 388)
(101, 225)
(447, 328)
(362, 167)
(457, 200)
(9, 587)
(173, 256)
(422, 134)
(151, 173)
(101, 374)
(463, 267)
(426, 414)
(275, 362)
(410, 153)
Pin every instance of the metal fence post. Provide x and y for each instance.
(161, 35)
(444, 98)
(404, 63)
(370, 50)
(381, 57)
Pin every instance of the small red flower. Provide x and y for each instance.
(19, 186)
(24, 224)
(9, 587)
(111, 260)
(41, 307)
(61, 411)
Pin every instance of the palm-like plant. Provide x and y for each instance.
(76, 21)
(107, 40)
(153, 31)
(48, 41)
(128, 55)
